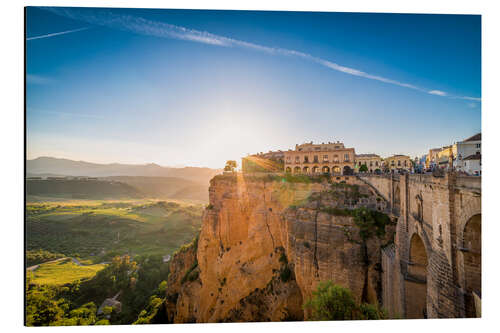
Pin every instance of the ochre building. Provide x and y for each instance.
(398, 162)
(310, 158)
(372, 162)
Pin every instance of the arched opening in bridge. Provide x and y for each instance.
(326, 169)
(472, 264)
(420, 208)
(397, 197)
(306, 169)
(347, 170)
(416, 280)
(296, 170)
(315, 169)
(336, 169)
(288, 170)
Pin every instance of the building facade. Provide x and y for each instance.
(472, 164)
(463, 149)
(310, 158)
(445, 158)
(372, 162)
(398, 163)
(432, 158)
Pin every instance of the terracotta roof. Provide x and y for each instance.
(367, 155)
(473, 157)
(476, 137)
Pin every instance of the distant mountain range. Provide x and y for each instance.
(117, 180)
(51, 166)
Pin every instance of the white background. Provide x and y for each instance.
(12, 159)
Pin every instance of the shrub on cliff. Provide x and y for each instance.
(370, 222)
(333, 302)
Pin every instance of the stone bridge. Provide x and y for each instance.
(433, 269)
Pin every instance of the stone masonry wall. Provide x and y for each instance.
(435, 210)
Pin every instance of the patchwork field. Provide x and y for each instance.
(99, 230)
(62, 271)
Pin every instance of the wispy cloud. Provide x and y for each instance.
(56, 34)
(142, 26)
(438, 92)
(38, 79)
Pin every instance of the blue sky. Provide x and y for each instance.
(184, 87)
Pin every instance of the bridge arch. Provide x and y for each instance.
(471, 247)
(416, 280)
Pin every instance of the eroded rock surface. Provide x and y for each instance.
(264, 245)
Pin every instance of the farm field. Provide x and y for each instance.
(62, 272)
(98, 230)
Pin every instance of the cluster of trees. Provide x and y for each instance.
(230, 166)
(141, 284)
(333, 302)
(45, 306)
(35, 257)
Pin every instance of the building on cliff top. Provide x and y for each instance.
(310, 158)
(398, 163)
(372, 162)
(468, 150)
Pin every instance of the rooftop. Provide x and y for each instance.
(367, 155)
(473, 157)
(476, 137)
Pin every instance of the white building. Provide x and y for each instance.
(464, 149)
(472, 164)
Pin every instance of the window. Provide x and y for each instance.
(317, 148)
(306, 159)
(405, 163)
(478, 145)
(325, 158)
(346, 157)
(371, 163)
(297, 159)
(359, 163)
(376, 163)
(399, 163)
(392, 163)
(315, 158)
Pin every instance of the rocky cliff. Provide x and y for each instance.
(266, 241)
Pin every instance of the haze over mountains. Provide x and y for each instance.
(65, 167)
(117, 180)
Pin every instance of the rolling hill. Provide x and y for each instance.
(66, 167)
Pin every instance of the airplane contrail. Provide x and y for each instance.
(57, 33)
(143, 26)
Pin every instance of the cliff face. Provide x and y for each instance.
(264, 245)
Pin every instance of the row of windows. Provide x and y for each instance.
(371, 163)
(325, 158)
(319, 148)
(399, 163)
